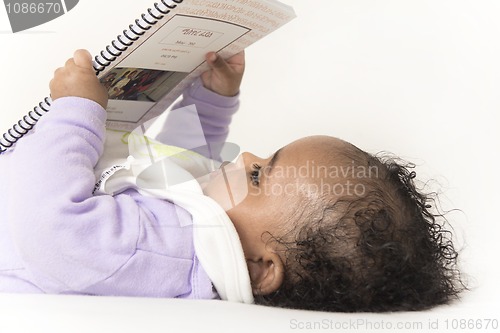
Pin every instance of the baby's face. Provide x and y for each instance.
(261, 195)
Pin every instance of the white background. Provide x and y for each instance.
(420, 79)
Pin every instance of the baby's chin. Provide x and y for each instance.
(204, 182)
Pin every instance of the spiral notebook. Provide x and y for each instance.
(147, 67)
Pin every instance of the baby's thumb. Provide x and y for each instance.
(217, 62)
(83, 58)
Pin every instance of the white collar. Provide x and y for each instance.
(216, 240)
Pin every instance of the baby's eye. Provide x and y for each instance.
(255, 174)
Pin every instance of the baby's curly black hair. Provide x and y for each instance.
(386, 251)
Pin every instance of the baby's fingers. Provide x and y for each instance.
(237, 59)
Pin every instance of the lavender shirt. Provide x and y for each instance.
(56, 237)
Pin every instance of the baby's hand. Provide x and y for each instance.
(77, 78)
(224, 76)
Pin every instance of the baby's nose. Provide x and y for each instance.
(250, 158)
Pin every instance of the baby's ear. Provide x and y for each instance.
(266, 274)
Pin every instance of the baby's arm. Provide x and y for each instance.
(69, 240)
(215, 95)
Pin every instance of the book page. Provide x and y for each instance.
(149, 73)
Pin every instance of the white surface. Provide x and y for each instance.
(418, 78)
(83, 314)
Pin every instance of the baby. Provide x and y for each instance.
(319, 225)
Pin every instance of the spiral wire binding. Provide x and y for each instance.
(101, 61)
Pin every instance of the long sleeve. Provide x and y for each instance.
(74, 242)
(207, 124)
